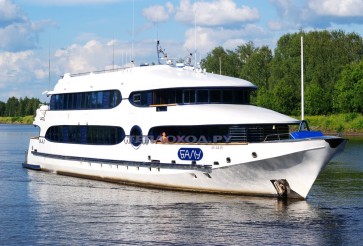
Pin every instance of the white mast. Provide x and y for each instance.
(302, 78)
(133, 30)
(195, 35)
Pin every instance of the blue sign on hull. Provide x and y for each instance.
(190, 154)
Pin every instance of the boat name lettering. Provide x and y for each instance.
(41, 140)
(190, 154)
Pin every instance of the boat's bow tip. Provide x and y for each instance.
(335, 142)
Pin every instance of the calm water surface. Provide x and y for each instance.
(38, 208)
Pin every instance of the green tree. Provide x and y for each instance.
(278, 76)
(26, 109)
(20, 109)
(314, 98)
(2, 108)
(256, 68)
(213, 62)
(348, 96)
(12, 107)
(34, 102)
(244, 52)
(325, 54)
(285, 75)
(222, 61)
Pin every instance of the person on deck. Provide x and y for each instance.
(164, 138)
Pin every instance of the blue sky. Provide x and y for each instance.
(86, 35)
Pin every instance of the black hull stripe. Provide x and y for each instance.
(203, 168)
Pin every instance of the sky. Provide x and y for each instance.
(40, 40)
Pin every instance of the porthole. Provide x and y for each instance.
(136, 136)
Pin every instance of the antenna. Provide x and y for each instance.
(49, 65)
(302, 78)
(159, 50)
(133, 30)
(188, 59)
(157, 31)
(113, 52)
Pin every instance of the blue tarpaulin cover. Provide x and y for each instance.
(306, 134)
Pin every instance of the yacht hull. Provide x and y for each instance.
(277, 168)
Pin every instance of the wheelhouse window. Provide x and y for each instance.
(223, 95)
(137, 98)
(86, 100)
(215, 96)
(203, 96)
(189, 96)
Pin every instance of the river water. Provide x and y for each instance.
(39, 208)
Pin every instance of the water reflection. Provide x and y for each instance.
(82, 211)
(38, 208)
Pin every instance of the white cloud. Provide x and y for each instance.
(21, 36)
(97, 55)
(70, 2)
(339, 8)
(12, 64)
(158, 13)
(26, 73)
(41, 73)
(9, 12)
(209, 38)
(215, 13)
(17, 32)
(290, 15)
(294, 15)
(206, 37)
(21, 69)
(79, 58)
(275, 25)
(21, 73)
(170, 7)
(233, 43)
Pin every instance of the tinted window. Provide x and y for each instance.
(190, 96)
(86, 100)
(99, 135)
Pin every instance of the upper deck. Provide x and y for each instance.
(145, 78)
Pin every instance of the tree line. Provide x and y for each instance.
(333, 72)
(19, 107)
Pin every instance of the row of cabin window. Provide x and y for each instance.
(222, 133)
(99, 135)
(86, 100)
(190, 96)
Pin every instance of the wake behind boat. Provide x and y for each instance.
(175, 127)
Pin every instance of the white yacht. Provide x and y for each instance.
(108, 126)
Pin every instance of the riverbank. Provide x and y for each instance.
(346, 124)
(24, 120)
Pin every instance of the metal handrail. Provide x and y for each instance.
(98, 72)
(278, 135)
